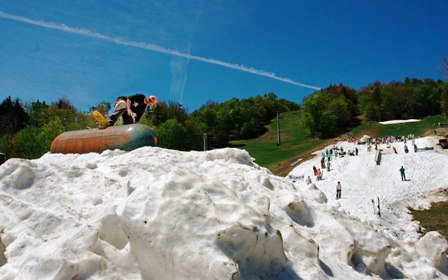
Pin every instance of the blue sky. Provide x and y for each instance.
(192, 52)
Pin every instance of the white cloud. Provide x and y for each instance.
(148, 46)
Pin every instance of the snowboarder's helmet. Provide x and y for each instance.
(152, 99)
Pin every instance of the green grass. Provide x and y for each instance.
(401, 129)
(435, 218)
(417, 128)
(364, 127)
(294, 141)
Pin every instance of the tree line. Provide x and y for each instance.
(27, 130)
(336, 109)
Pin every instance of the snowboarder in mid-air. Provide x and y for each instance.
(131, 108)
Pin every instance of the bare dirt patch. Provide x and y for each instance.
(435, 218)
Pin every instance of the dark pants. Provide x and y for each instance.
(338, 194)
(120, 111)
(403, 177)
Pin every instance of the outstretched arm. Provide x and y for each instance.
(128, 108)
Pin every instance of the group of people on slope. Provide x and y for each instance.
(318, 173)
(339, 186)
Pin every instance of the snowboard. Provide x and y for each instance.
(100, 119)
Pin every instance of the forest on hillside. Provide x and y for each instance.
(28, 129)
(337, 109)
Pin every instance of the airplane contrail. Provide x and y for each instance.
(148, 46)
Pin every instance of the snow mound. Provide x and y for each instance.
(160, 214)
(399, 121)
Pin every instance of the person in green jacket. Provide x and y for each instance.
(403, 176)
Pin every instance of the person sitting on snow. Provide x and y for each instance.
(130, 106)
(308, 180)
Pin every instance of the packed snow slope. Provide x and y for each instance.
(363, 180)
(161, 214)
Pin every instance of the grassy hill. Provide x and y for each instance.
(423, 127)
(296, 142)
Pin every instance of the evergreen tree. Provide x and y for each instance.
(13, 116)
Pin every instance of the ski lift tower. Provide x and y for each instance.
(278, 131)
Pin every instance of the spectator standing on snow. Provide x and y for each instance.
(356, 151)
(328, 166)
(403, 176)
(308, 180)
(314, 170)
(338, 190)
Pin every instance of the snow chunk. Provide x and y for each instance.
(434, 248)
